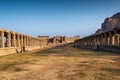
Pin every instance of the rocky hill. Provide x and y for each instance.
(111, 23)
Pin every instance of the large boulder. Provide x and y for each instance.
(111, 23)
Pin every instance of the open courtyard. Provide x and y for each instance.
(60, 63)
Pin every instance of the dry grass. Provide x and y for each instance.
(63, 63)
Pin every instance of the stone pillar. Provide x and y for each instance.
(24, 41)
(27, 41)
(33, 42)
(113, 39)
(2, 40)
(100, 39)
(8, 39)
(30, 41)
(97, 40)
(103, 39)
(18, 40)
(105, 35)
(108, 40)
(118, 40)
(14, 40)
(21, 40)
(94, 42)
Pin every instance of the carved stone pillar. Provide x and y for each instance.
(8, 39)
(21, 40)
(118, 40)
(31, 41)
(24, 41)
(2, 40)
(27, 44)
(14, 40)
(105, 39)
(113, 40)
(18, 40)
(108, 40)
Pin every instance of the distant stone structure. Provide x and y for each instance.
(59, 40)
(43, 41)
(64, 39)
(71, 39)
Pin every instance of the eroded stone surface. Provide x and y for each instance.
(111, 22)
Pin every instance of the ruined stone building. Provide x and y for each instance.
(107, 38)
(13, 42)
(64, 39)
(43, 41)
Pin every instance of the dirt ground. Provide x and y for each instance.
(60, 63)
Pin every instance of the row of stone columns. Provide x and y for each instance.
(110, 38)
(12, 39)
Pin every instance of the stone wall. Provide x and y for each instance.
(109, 41)
(13, 42)
(64, 39)
(7, 51)
(43, 41)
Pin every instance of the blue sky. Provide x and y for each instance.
(56, 17)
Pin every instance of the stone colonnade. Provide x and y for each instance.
(14, 39)
(108, 38)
